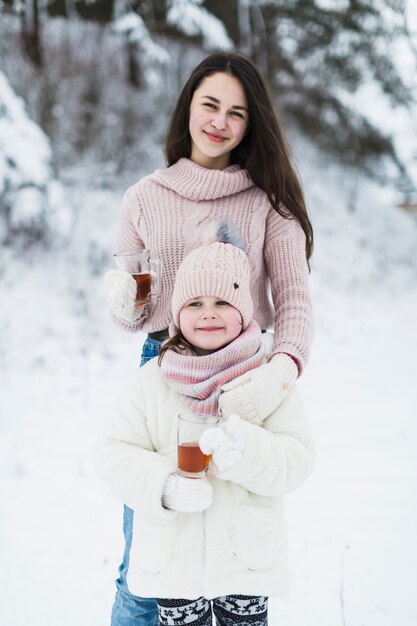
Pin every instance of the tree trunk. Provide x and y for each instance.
(70, 9)
(260, 37)
(134, 72)
(245, 42)
(30, 32)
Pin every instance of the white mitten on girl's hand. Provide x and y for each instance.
(225, 443)
(188, 495)
(120, 291)
(256, 394)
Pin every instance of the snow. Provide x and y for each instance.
(17, 132)
(133, 26)
(29, 193)
(193, 19)
(400, 122)
(151, 53)
(352, 526)
(368, 98)
(63, 362)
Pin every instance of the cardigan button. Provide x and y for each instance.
(285, 386)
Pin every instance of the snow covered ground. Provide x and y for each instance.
(352, 526)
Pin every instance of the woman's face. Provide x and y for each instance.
(219, 118)
(209, 323)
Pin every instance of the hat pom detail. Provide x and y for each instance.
(224, 232)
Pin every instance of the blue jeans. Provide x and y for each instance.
(130, 610)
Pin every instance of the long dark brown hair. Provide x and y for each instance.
(263, 151)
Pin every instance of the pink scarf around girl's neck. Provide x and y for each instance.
(198, 379)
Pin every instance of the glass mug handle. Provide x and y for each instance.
(155, 266)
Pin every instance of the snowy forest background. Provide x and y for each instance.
(86, 90)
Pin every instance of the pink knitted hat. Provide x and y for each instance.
(220, 269)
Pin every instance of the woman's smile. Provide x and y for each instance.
(214, 137)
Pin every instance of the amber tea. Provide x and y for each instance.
(143, 286)
(192, 463)
(147, 273)
(190, 458)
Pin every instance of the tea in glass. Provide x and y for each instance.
(145, 271)
(192, 462)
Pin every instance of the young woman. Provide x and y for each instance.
(216, 543)
(227, 157)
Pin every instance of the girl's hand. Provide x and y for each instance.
(120, 293)
(256, 394)
(225, 443)
(188, 495)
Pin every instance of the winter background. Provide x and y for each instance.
(353, 525)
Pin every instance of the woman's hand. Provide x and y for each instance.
(256, 394)
(120, 293)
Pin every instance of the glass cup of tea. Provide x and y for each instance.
(145, 271)
(192, 463)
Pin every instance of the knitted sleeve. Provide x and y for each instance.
(128, 238)
(285, 258)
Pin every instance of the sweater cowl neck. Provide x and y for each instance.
(195, 182)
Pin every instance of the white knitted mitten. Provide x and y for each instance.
(188, 495)
(256, 394)
(120, 293)
(225, 443)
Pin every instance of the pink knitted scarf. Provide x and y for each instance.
(199, 378)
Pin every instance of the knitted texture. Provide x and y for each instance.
(169, 211)
(220, 270)
(120, 291)
(256, 395)
(198, 379)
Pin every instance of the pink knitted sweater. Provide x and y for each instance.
(169, 211)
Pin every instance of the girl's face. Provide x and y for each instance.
(219, 118)
(209, 323)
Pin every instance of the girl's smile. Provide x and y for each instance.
(210, 329)
(218, 120)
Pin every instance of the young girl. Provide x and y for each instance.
(226, 156)
(222, 538)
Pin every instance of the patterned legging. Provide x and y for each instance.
(229, 611)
